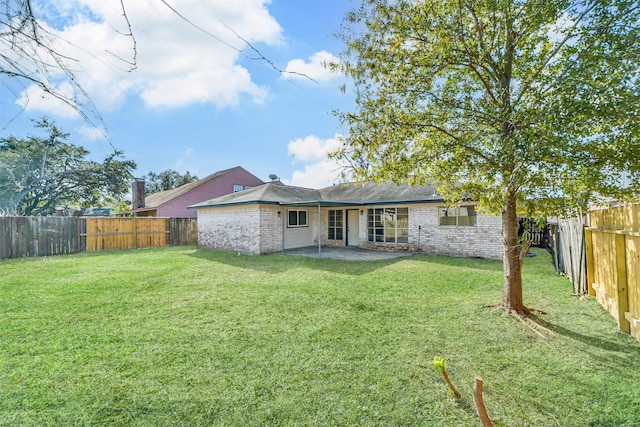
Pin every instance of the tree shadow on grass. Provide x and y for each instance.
(276, 263)
(451, 261)
(589, 340)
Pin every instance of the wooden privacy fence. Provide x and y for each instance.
(568, 252)
(613, 263)
(140, 232)
(182, 231)
(124, 233)
(38, 236)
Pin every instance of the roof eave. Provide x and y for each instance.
(221, 205)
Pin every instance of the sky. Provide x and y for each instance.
(200, 99)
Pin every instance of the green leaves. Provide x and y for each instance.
(167, 180)
(505, 96)
(439, 364)
(39, 174)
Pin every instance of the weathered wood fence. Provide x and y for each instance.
(39, 236)
(613, 263)
(568, 251)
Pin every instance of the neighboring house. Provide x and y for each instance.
(173, 203)
(273, 218)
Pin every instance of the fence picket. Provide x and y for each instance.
(39, 236)
(615, 234)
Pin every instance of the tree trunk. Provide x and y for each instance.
(512, 290)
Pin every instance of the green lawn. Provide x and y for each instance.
(180, 336)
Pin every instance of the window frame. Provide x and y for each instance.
(335, 230)
(237, 188)
(298, 215)
(456, 215)
(388, 225)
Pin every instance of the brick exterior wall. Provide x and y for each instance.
(484, 240)
(230, 229)
(252, 229)
(270, 228)
(258, 229)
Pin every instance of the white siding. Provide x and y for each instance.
(300, 237)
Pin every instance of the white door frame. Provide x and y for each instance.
(353, 227)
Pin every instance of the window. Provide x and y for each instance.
(388, 225)
(335, 225)
(461, 216)
(297, 218)
(237, 188)
(246, 187)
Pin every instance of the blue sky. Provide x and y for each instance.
(198, 100)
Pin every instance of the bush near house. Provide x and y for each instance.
(181, 336)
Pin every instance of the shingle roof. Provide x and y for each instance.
(160, 198)
(372, 193)
(341, 194)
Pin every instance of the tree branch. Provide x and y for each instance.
(245, 41)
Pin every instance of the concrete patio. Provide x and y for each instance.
(350, 254)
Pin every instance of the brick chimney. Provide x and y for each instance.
(138, 193)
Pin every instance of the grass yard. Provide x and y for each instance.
(181, 336)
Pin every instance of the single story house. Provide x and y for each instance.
(273, 218)
(173, 203)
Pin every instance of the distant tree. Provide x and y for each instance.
(166, 180)
(38, 174)
(530, 107)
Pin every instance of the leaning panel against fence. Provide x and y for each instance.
(613, 263)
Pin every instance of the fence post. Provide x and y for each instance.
(34, 240)
(588, 242)
(135, 232)
(621, 282)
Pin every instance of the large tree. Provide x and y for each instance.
(526, 106)
(166, 180)
(37, 174)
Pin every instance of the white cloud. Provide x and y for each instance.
(92, 133)
(318, 170)
(317, 175)
(178, 63)
(35, 99)
(314, 68)
(312, 148)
